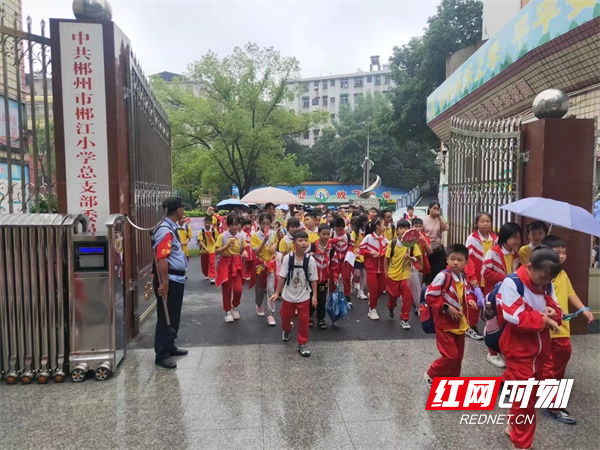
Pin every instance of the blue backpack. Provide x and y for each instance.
(425, 312)
(492, 337)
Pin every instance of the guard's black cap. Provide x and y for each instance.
(172, 204)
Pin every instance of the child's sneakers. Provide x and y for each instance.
(428, 380)
(496, 360)
(303, 351)
(235, 313)
(562, 415)
(260, 311)
(271, 320)
(349, 302)
(391, 312)
(228, 317)
(212, 281)
(473, 333)
(361, 295)
(285, 336)
(373, 314)
(405, 325)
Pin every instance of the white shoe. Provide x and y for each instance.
(271, 320)
(473, 333)
(356, 287)
(212, 281)
(260, 311)
(405, 325)
(228, 317)
(496, 361)
(373, 314)
(361, 295)
(236, 314)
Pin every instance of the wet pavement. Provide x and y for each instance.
(240, 387)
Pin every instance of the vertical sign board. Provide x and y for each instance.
(84, 111)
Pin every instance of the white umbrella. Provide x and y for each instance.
(270, 194)
(556, 213)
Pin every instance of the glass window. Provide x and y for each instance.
(305, 102)
(325, 101)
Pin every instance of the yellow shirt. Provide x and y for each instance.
(525, 254)
(399, 266)
(265, 254)
(286, 247)
(236, 249)
(357, 240)
(562, 289)
(464, 325)
(390, 233)
(508, 260)
(313, 236)
(210, 242)
(185, 234)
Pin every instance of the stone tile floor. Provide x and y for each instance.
(348, 395)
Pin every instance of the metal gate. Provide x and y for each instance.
(485, 167)
(150, 176)
(27, 137)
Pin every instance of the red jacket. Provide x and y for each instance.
(474, 268)
(525, 336)
(323, 260)
(494, 267)
(436, 297)
(373, 243)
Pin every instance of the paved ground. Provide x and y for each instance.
(242, 388)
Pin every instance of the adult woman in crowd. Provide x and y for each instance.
(434, 226)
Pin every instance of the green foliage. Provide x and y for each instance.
(228, 121)
(419, 67)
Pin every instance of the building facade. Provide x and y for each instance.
(330, 93)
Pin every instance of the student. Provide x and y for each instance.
(286, 245)
(321, 251)
(398, 260)
(373, 214)
(295, 288)
(230, 246)
(536, 232)
(500, 261)
(561, 343)
(359, 225)
(479, 243)
(525, 342)
(184, 232)
(264, 245)
(310, 226)
(342, 244)
(424, 246)
(447, 296)
(410, 214)
(373, 248)
(249, 270)
(390, 230)
(207, 239)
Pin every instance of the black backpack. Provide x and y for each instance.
(292, 265)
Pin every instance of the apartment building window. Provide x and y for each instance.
(377, 80)
(343, 99)
(324, 100)
(316, 133)
(324, 85)
(387, 80)
(358, 82)
(306, 135)
(331, 100)
(305, 102)
(332, 117)
(344, 82)
(315, 101)
(332, 83)
(316, 85)
(305, 87)
(369, 78)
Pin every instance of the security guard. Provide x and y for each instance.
(169, 281)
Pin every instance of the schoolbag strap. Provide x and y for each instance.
(305, 262)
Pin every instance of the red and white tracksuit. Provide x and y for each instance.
(525, 342)
(474, 268)
(339, 266)
(374, 265)
(451, 344)
(229, 277)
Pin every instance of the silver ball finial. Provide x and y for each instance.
(99, 10)
(551, 103)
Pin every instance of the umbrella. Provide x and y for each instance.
(283, 207)
(557, 213)
(271, 194)
(231, 203)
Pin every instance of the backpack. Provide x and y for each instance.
(292, 265)
(213, 232)
(493, 331)
(425, 312)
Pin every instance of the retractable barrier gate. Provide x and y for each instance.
(46, 308)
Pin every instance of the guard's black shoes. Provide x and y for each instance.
(179, 352)
(167, 363)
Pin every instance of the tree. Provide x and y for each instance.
(419, 67)
(231, 111)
